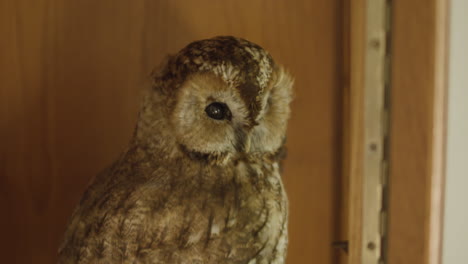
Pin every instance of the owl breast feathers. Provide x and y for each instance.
(200, 181)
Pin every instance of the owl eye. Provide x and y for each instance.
(218, 111)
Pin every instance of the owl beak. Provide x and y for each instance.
(247, 132)
(243, 141)
(247, 144)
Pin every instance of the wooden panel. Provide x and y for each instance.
(417, 128)
(343, 181)
(71, 72)
(355, 155)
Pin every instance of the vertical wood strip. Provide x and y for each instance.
(417, 131)
(436, 205)
(374, 130)
(356, 107)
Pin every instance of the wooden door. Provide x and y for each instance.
(71, 73)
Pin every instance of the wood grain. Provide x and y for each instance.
(71, 72)
(417, 131)
(356, 126)
(344, 179)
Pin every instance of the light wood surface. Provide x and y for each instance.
(355, 155)
(417, 131)
(71, 72)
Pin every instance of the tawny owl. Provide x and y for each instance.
(200, 180)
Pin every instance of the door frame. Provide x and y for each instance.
(416, 134)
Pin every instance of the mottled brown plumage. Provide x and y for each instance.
(193, 187)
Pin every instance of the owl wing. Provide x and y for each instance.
(162, 220)
(138, 222)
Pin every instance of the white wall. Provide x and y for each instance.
(455, 244)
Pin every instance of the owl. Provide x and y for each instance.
(200, 180)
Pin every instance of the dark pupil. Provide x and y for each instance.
(217, 111)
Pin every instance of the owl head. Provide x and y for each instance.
(220, 97)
